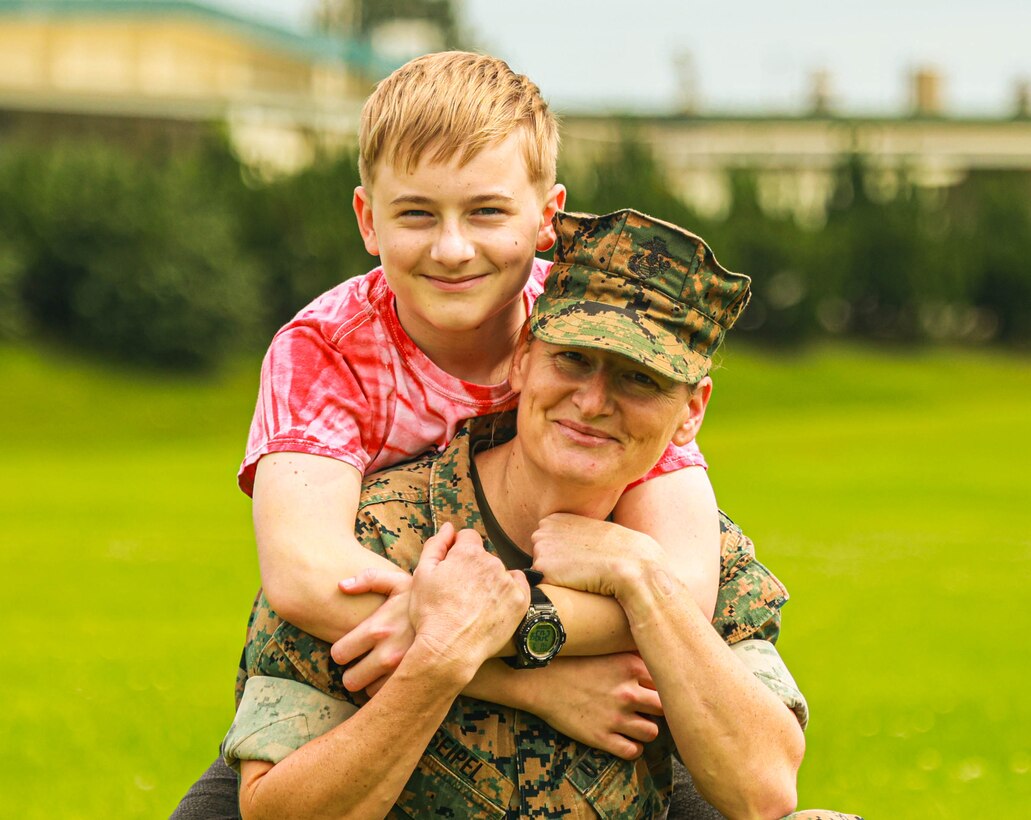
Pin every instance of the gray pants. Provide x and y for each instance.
(213, 797)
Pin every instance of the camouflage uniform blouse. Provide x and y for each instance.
(485, 760)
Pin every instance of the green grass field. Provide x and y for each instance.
(890, 492)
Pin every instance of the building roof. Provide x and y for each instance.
(313, 46)
(681, 119)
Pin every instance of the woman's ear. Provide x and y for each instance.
(554, 201)
(694, 412)
(517, 376)
(362, 204)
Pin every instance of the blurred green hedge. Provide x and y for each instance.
(179, 259)
(175, 260)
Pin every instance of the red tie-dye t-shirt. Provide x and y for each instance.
(344, 380)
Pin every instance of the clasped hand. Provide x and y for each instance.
(460, 600)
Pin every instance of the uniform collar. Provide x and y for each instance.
(452, 492)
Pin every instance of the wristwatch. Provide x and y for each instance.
(540, 636)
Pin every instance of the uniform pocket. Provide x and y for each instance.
(616, 788)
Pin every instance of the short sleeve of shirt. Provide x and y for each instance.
(762, 660)
(675, 458)
(309, 401)
(278, 716)
(344, 380)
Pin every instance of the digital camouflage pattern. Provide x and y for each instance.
(277, 716)
(635, 285)
(762, 660)
(486, 760)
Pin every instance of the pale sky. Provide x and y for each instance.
(748, 55)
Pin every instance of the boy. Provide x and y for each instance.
(457, 160)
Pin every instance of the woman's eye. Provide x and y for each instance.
(643, 380)
(572, 357)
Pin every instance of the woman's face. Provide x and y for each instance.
(598, 418)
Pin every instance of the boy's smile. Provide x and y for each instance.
(456, 285)
(457, 244)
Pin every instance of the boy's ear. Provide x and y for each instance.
(694, 413)
(554, 201)
(362, 204)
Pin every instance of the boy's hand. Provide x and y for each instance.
(594, 556)
(601, 701)
(383, 638)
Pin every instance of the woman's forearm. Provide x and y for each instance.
(359, 768)
(741, 744)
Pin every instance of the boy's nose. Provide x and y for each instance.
(452, 248)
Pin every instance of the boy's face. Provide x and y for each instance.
(457, 242)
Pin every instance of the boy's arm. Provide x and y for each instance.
(305, 508)
(598, 699)
(678, 509)
(595, 626)
(304, 512)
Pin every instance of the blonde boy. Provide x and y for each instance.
(457, 160)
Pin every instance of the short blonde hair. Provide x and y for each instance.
(455, 103)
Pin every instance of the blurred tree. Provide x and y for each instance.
(128, 257)
(626, 176)
(177, 258)
(303, 230)
(992, 234)
(874, 251)
(12, 309)
(773, 250)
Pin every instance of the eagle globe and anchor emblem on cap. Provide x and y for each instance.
(654, 262)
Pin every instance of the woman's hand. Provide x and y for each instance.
(383, 638)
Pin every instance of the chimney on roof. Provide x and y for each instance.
(820, 92)
(685, 74)
(1022, 98)
(926, 92)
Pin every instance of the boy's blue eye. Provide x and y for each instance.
(489, 211)
(414, 212)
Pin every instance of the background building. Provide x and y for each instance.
(795, 156)
(162, 68)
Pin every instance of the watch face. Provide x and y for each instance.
(541, 639)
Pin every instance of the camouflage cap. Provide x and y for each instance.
(635, 285)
